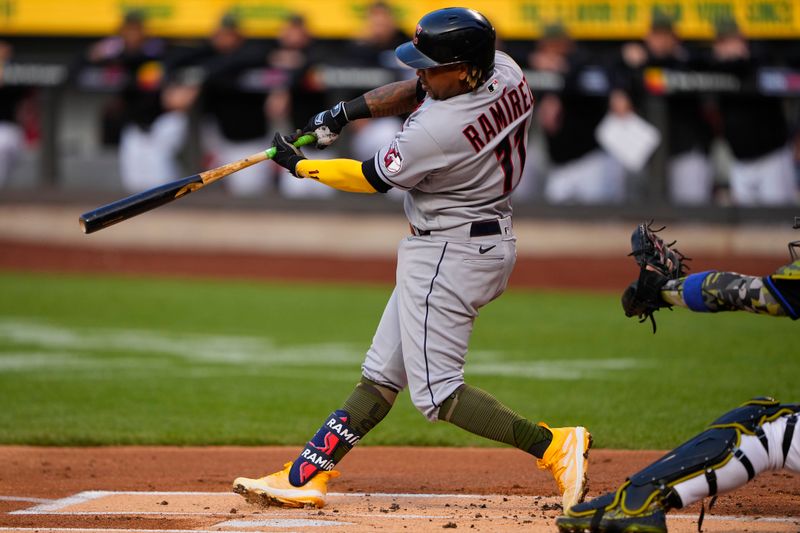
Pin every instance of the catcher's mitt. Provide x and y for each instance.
(643, 297)
(658, 263)
(651, 253)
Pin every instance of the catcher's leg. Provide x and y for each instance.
(760, 435)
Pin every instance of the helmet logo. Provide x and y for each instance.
(415, 40)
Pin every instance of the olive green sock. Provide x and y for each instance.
(479, 412)
(367, 405)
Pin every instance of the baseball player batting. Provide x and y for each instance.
(459, 156)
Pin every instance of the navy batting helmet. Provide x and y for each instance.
(448, 36)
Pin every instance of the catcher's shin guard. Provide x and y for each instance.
(604, 514)
(754, 437)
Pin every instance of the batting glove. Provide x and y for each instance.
(286, 154)
(327, 125)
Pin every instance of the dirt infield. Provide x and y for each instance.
(167, 489)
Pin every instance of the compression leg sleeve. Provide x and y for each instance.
(479, 412)
(713, 292)
(364, 409)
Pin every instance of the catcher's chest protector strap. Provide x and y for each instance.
(706, 453)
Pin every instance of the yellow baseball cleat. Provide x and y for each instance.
(566, 458)
(275, 489)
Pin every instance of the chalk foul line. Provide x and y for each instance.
(58, 506)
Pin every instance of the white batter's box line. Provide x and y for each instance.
(54, 506)
(127, 513)
(58, 506)
(419, 495)
(24, 499)
(282, 523)
(98, 530)
(61, 503)
(735, 518)
(228, 514)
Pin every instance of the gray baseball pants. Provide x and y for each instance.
(442, 280)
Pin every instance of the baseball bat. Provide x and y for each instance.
(136, 204)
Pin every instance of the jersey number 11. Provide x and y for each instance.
(504, 153)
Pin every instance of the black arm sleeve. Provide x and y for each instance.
(368, 169)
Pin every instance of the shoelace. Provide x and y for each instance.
(651, 315)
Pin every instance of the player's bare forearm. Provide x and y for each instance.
(392, 99)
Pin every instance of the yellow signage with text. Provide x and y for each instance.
(520, 19)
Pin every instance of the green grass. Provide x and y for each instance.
(110, 360)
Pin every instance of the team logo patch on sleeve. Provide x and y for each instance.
(393, 161)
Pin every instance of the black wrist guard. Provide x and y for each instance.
(356, 108)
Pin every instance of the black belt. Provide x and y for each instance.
(477, 229)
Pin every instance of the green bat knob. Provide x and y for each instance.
(301, 141)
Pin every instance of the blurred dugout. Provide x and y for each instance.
(298, 76)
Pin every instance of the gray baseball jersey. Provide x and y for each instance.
(459, 158)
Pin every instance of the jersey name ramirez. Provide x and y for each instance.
(513, 103)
